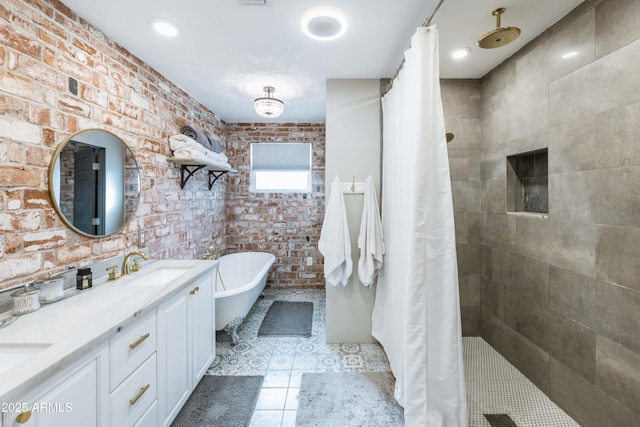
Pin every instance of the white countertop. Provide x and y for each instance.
(76, 325)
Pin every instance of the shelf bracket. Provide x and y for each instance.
(185, 169)
(213, 177)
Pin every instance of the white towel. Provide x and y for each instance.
(370, 240)
(189, 153)
(335, 243)
(217, 157)
(179, 141)
(184, 146)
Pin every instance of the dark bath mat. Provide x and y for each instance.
(287, 319)
(500, 420)
(221, 400)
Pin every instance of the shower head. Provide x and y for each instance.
(500, 36)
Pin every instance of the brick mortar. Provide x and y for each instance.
(277, 223)
(41, 45)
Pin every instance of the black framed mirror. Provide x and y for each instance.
(94, 182)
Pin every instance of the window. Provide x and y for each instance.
(281, 167)
(527, 182)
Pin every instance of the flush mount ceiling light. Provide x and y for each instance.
(163, 27)
(268, 106)
(324, 23)
(460, 53)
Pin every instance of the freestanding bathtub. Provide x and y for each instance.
(239, 281)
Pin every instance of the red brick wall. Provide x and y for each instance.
(277, 222)
(42, 45)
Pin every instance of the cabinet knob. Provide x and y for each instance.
(23, 417)
(194, 290)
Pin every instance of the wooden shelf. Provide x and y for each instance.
(190, 166)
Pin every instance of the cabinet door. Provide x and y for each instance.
(174, 367)
(202, 326)
(74, 397)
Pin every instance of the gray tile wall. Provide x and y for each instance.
(461, 103)
(560, 293)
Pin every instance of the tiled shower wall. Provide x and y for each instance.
(461, 103)
(285, 224)
(42, 45)
(561, 292)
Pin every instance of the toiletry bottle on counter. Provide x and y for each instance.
(84, 278)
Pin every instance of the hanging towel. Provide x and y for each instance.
(370, 241)
(335, 243)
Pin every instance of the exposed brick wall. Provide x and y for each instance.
(42, 45)
(277, 223)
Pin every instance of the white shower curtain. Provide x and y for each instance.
(416, 316)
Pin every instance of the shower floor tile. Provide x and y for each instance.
(494, 386)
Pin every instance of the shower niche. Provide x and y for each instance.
(528, 182)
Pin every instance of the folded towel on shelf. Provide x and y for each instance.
(223, 165)
(216, 147)
(188, 153)
(184, 147)
(179, 141)
(217, 157)
(335, 243)
(197, 136)
(370, 240)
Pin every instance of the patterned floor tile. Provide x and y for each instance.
(493, 385)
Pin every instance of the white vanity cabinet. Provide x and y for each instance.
(132, 373)
(78, 395)
(186, 345)
(203, 328)
(116, 370)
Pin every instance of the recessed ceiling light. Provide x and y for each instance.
(570, 54)
(460, 53)
(324, 23)
(163, 27)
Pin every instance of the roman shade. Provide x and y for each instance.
(281, 156)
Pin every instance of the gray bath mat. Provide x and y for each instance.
(348, 399)
(287, 319)
(220, 400)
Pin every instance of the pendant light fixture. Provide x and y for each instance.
(268, 106)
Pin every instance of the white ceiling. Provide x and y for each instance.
(225, 52)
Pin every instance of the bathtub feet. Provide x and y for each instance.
(262, 295)
(232, 328)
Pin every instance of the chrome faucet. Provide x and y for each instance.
(126, 268)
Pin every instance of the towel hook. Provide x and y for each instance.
(353, 184)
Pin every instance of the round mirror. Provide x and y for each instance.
(94, 183)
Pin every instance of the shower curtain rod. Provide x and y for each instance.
(426, 23)
(433, 13)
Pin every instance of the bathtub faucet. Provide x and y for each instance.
(212, 253)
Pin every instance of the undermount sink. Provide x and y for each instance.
(13, 354)
(158, 276)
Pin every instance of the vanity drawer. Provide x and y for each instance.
(135, 395)
(149, 418)
(130, 348)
